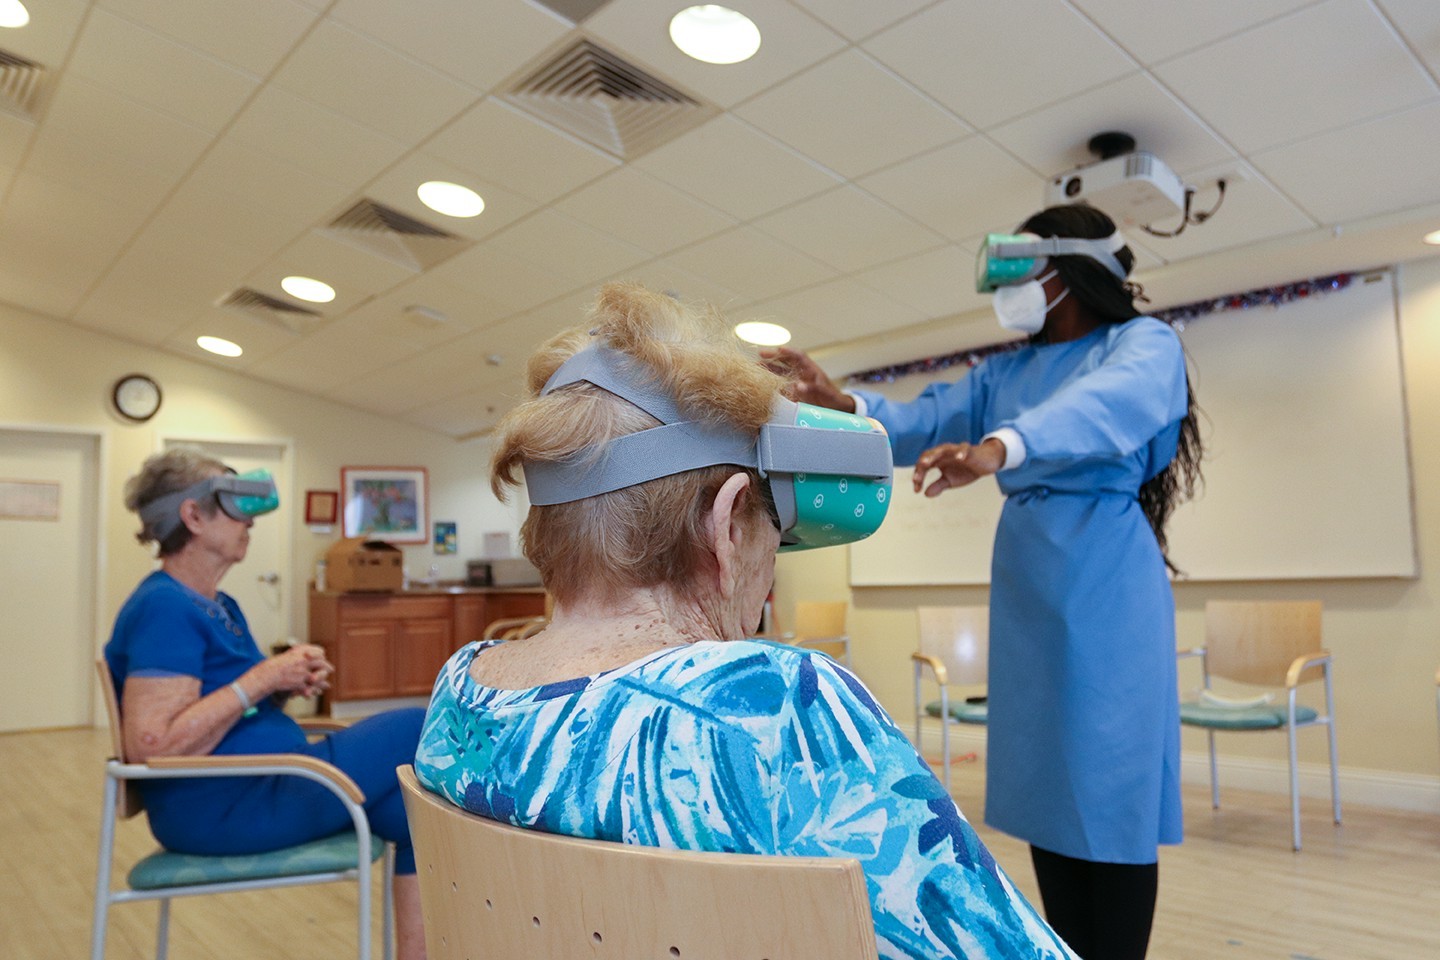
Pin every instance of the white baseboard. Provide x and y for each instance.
(1372, 788)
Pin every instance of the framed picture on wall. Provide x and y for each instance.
(385, 503)
(322, 507)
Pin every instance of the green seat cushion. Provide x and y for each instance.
(166, 869)
(960, 711)
(1219, 717)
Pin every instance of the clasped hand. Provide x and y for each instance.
(301, 670)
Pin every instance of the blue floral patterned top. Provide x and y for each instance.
(746, 747)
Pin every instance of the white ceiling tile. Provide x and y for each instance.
(313, 138)
(1055, 139)
(737, 169)
(15, 135)
(994, 61)
(467, 414)
(555, 242)
(46, 39)
(1261, 89)
(258, 338)
(790, 41)
(371, 83)
(984, 188)
(857, 19)
(248, 176)
(331, 357)
(480, 44)
(254, 35)
(503, 279)
(515, 339)
(137, 63)
(666, 277)
(200, 209)
(504, 145)
(848, 229)
(425, 377)
(1153, 34)
(898, 122)
(464, 309)
(1311, 172)
(841, 308)
(751, 263)
(937, 283)
(95, 140)
(640, 210)
(1419, 23)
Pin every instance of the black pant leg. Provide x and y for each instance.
(1104, 911)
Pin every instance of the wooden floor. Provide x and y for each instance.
(1369, 890)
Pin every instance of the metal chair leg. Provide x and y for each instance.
(1294, 779)
(387, 901)
(101, 915)
(162, 931)
(1214, 776)
(1334, 755)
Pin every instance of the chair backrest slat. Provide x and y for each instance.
(492, 890)
(130, 801)
(1256, 641)
(959, 638)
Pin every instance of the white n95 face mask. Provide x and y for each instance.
(1022, 307)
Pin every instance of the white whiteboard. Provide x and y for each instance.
(1307, 472)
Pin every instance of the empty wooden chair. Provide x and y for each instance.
(164, 875)
(1266, 644)
(820, 625)
(493, 891)
(508, 628)
(954, 653)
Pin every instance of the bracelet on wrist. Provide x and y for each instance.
(245, 701)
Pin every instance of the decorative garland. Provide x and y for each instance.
(1177, 317)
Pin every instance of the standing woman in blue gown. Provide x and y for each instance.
(1090, 429)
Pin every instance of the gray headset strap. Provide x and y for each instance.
(1102, 251)
(614, 371)
(793, 449)
(161, 516)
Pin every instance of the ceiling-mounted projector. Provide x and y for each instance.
(1133, 187)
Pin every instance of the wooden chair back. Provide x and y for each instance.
(507, 628)
(816, 619)
(958, 637)
(505, 893)
(129, 802)
(1257, 641)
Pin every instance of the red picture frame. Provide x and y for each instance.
(322, 507)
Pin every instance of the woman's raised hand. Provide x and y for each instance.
(959, 464)
(810, 384)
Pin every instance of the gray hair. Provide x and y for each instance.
(178, 468)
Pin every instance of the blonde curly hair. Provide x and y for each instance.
(655, 532)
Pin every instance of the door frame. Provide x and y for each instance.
(96, 564)
(289, 600)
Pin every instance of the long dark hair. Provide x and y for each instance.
(1112, 300)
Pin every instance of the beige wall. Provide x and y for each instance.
(56, 375)
(1385, 635)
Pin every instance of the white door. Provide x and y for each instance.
(260, 583)
(48, 572)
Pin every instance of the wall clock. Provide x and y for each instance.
(136, 397)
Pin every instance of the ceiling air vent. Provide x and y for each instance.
(396, 236)
(253, 303)
(573, 10)
(593, 94)
(19, 84)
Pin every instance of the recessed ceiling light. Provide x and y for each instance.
(450, 199)
(715, 34)
(307, 288)
(13, 14)
(1433, 237)
(762, 334)
(216, 345)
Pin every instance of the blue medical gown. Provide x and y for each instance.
(1084, 735)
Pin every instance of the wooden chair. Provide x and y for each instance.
(820, 625)
(509, 628)
(164, 875)
(504, 893)
(954, 652)
(1437, 694)
(1270, 644)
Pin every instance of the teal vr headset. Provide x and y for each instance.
(828, 472)
(241, 496)
(1007, 258)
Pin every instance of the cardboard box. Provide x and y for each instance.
(356, 564)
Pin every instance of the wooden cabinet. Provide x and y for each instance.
(394, 644)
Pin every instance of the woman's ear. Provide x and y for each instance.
(190, 515)
(726, 533)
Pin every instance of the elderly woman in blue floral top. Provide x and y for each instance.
(642, 714)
